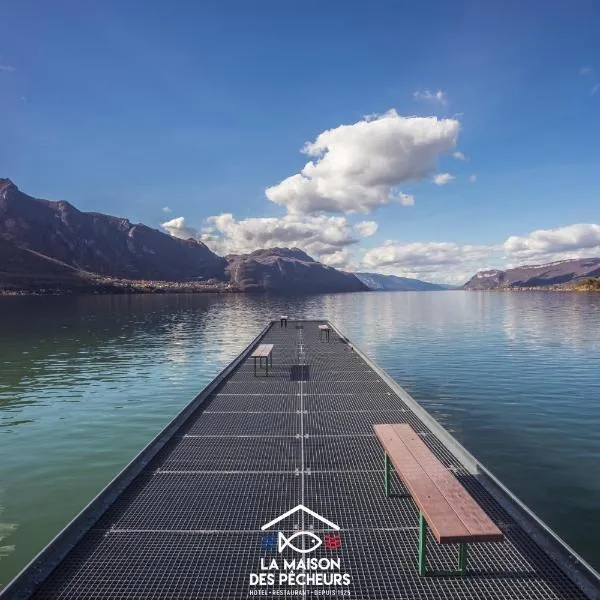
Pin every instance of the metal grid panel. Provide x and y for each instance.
(352, 402)
(375, 386)
(383, 565)
(234, 454)
(203, 502)
(357, 501)
(343, 453)
(278, 382)
(238, 471)
(253, 403)
(349, 423)
(161, 565)
(263, 424)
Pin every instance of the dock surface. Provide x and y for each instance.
(189, 524)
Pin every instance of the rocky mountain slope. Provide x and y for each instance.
(556, 273)
(100, 243)
(52, 244)
(24, 269)
(287, 270)
(392, 283)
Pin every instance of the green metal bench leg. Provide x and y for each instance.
(462, 559)
(422, 544)
(255, 366)
(267, 365)
(387, 475)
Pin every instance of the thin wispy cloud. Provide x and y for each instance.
(473, 178)
(7, 68)
(167, 209)
(459, 156)
(437, 97)
(590, 74)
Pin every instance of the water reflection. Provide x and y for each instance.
(553, 319)
(85, 382)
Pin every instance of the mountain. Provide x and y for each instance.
(52, 246)
(391, 283)
(100, 243)
(287, 270)
(22, 269)
(555, 273)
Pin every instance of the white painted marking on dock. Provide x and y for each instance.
(209, 472)
(117, 530)
(226, 435)
(250, 412)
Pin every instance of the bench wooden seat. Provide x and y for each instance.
(263, 351)
(444, 504)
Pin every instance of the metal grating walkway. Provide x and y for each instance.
(189, 524)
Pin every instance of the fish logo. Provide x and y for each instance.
(298, 541)
(282, 541)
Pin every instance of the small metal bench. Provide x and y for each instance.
(283, 321)
(263, 351)
(324, 329)
(444, 504)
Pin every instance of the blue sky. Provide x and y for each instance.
(131, 107)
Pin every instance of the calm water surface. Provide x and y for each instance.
(86, 382)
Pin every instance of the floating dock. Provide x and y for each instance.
(210, 508)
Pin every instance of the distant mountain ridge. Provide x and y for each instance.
(533, 276)
(287, 269)
(48, 243)
(393, 283)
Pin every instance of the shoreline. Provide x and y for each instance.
(160, 290)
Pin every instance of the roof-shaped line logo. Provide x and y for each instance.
(312, 513)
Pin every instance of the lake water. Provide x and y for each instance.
(86, 382)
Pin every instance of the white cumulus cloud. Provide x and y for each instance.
(358, 168)
(341, 259)
(366, 228)
(459, 156)
(432, 261)
(166, 209)
(177, 228)
(443, 178)
(406, 199)
(421, 254)
(437, 97)
(570, 241)
(321, 236)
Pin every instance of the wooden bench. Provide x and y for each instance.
(444, 504)
(324, 329)
(263, 351)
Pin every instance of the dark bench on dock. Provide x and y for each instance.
(263, 351)
(444, 504)
(324, 330)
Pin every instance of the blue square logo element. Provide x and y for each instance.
(269, 541)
